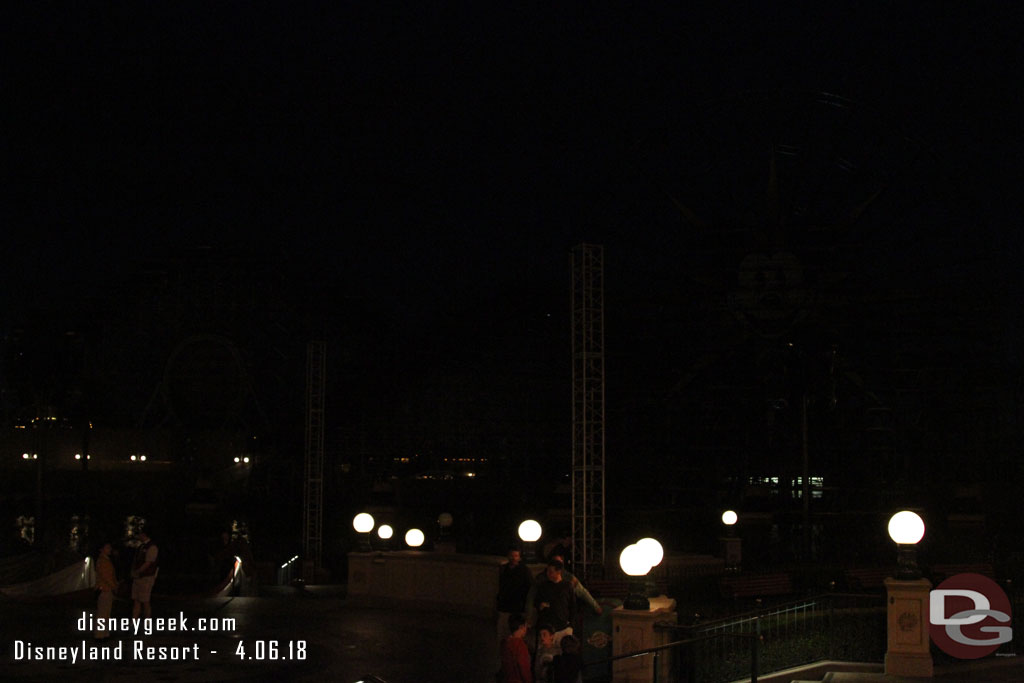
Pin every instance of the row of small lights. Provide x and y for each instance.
(133, 457)
(906, 528)
(78, 456)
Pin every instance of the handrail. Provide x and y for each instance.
(749, 614)
(753, 637)
(687, 641)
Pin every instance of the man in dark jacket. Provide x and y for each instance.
(514, 582)
(555, 600)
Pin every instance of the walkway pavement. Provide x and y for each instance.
(293, 636)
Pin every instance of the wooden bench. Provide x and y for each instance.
(607, 588)
(867, 578)
(755, 585)
(941, 572)
(618, 588)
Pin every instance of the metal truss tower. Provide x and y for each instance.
(313, 494)
(588, 528)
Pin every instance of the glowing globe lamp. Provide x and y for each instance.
(414, 538)
(363, 522)
(529, 531)
(906, 527)
(652, 550)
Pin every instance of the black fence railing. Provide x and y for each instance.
(682, 651)
(843, 626)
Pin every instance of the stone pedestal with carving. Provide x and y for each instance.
(633, 630)
(908, 653)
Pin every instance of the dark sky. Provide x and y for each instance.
(429, 153)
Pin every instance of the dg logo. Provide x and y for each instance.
(969, 616)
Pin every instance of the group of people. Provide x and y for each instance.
(545, 606)
(145, 567)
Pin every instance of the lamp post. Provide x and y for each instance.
(732, 545)
(635, 563)
(906, 528)
(445, 543)
(529, 534)
(908, 603)
(363, 524)
(385, 532)
(635, 621)
(653, 553)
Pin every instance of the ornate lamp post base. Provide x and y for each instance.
(908, 652)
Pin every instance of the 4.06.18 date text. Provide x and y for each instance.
(271, 650)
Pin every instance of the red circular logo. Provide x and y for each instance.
(969, 616)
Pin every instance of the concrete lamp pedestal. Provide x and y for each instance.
(907, 606)
(633, 630)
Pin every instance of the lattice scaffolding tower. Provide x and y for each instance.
(588, 526)
(313, 492)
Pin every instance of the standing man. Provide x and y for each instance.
(144, 570)
(579, 592)
(555, 601)
(106, 584)
(514, 582)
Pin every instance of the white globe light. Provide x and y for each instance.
(729, 517)
(529, 531)
(906, 527)
(444, 519)
(363, 522)
(633, 561)
(414, 538)
(385, 531)
(652, 550)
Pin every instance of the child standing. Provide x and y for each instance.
(568, 666)
(515, 657)
(546, 651)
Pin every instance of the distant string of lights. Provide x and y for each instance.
(136, 458)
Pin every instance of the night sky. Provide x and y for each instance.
(412, 179)
(423, 152)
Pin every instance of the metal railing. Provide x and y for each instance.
(683, 648)
(832, 625)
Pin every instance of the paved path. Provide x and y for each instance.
(326, 639)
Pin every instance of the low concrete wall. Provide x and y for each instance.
(449, 582)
